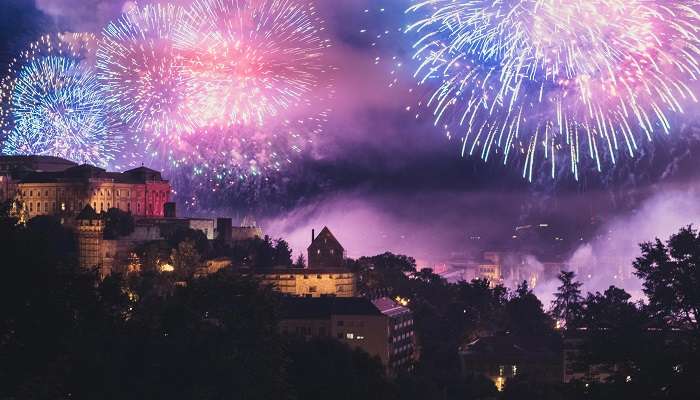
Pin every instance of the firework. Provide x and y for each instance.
(261, 83)
(143, 77)
(554, 79)
(51, 103)
(250, 60)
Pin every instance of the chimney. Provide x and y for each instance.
(313, 235)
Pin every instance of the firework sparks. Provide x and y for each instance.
(142, 74)
(553, 79)
(51, 103)
(254, 59)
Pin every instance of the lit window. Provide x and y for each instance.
(350, 336)
(359, 337)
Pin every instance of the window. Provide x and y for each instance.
(318, 251)
(350, 335)
(31, 206)
(359, 337)
(46, 193)
(306, 277)
(63, 206)
(312, 289)
(46, 207)
(31, 193)
(128, 207)
(108, 205)
(318, 276)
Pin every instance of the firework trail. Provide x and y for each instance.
(142, 74)
(52, 105)
(577, 80)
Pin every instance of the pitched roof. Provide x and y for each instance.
(324, 235)
(324, 307)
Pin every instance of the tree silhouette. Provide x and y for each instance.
(671, 275)
(566, 305)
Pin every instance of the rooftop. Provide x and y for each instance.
(389, 307)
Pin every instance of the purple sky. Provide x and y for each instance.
(382, 180)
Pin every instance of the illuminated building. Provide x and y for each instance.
(504, 356)
(356, 322)
(325, 251)
(402, 340)
(326, 274)
(52, 186)
(308, 282)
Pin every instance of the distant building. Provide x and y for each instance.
(488, 267)
(52, 186)
(503, 357)
(403, 352)
(354, 321)
(308, 282)
(227, 233)
(248, 229)
(326, 274)
(325, 251)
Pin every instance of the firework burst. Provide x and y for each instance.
(250, 60)
(52, 105)
(143, 76)
(554, 79)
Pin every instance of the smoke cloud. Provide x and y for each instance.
(607, 258)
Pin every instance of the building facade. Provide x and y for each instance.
(338, 282)
(52, 186)
(353, 321)
(402, 347)
(325, 251)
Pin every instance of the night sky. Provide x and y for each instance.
(384, 180)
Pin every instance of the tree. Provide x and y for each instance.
(185, 259)
(671, 278)
(118, 223)
(525, 314)
(283, 254)
(566, 305)
(300, 262)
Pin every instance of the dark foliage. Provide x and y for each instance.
(118, 223)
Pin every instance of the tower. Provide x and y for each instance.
(90, 236)
(325, 251)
